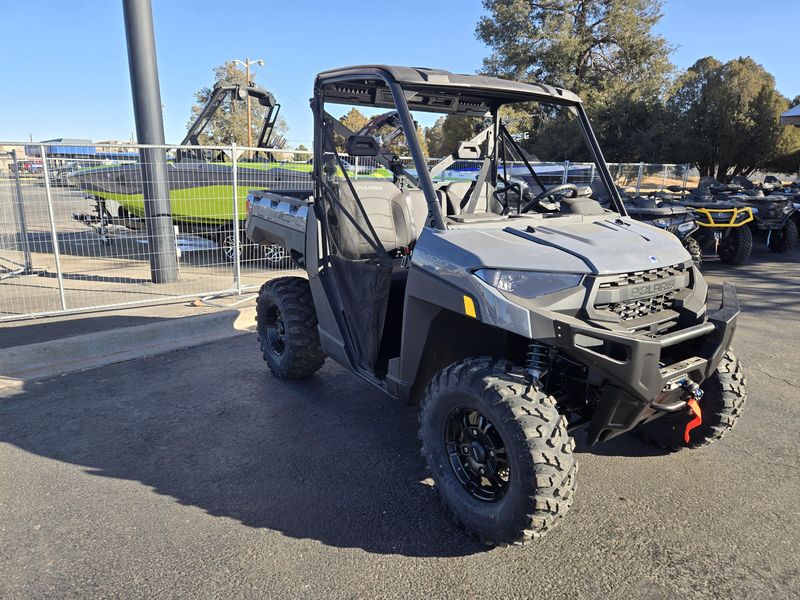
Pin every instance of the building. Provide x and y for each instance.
(7, 158)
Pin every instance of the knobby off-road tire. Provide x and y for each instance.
(287, 328)
(693, 248)
(539, 451)
(784, 239)
(736, 247)
(724, 396)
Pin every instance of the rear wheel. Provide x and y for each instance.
(498, 451)
(287, 328)
(736, 246)
(693, 247)
(724, 396)
(783, 240)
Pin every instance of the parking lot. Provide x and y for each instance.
(197, 473)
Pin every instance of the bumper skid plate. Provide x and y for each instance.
(639, 384)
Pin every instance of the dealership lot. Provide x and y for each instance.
(197, 473)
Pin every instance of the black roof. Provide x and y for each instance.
(438, 79)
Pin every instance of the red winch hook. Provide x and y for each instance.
(695, 394)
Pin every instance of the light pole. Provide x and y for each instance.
(150, 131)
(246, 64)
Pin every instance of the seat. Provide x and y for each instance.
(389, 213)
(418, 208)
(458, 193)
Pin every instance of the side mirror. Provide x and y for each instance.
(361, 145)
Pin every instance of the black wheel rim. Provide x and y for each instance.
(477, 454)
(276, 331)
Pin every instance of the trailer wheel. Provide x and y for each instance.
(735, 248)
(724, 396)
(783, 240)
(287, 328)
(694, 250)
(498, 451)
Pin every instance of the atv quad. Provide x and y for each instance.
(723, 221)
(774, 215)
(512, 326)
(677, 219)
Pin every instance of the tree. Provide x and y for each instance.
(788, 152)
(229, 123)
(584, 45)
(604, 51)
(443, 137)
(354, 120)
(301, 154)
(727, 118)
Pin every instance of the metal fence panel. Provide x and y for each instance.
(82, 216)
(73, 226)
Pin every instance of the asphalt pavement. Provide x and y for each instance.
(196, 473)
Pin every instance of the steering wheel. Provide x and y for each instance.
(556, 190)
(510, 186)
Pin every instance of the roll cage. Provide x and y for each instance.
(433, 90)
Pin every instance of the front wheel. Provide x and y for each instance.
(736, 246)
(783, 240)
(724, 396)
(498, 451)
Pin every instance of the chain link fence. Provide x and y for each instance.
(74, 232)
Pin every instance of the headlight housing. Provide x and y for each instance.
(528, 284)
(687, 227)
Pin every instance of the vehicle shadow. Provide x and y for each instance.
(625, 445)
(327, 458)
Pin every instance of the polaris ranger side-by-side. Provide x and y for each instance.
(511, 322)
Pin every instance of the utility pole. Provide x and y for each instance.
(150, 130)
(246, 63)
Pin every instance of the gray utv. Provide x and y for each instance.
(513, 310)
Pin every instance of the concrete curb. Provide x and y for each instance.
(21, 364)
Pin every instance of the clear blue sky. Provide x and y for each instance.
(64, 69)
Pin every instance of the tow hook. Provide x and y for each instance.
(695, 395)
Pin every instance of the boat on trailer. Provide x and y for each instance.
(201, 179)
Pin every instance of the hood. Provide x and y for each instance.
(602, 246)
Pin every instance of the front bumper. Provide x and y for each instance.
(639, 384)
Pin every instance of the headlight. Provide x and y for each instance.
(660, 222)
(686, 227)
(528, 284)
(787, 209)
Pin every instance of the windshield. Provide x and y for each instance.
(516, 158)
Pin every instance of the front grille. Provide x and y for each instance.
(614, 292)
(642, 307)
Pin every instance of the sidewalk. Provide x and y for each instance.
(36, 349)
